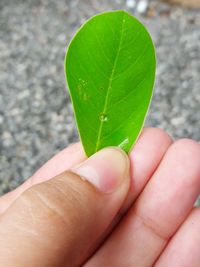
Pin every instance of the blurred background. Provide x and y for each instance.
(36, 116)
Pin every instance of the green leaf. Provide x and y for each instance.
(110, 70)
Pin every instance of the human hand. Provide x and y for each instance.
(65, 221)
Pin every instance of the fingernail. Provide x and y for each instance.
(106, 169)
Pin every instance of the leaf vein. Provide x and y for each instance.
(101, 46)
(133, 63)
(110, 84)
(129, 93)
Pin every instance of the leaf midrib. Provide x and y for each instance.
(110, 85)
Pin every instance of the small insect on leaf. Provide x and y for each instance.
(110, 70)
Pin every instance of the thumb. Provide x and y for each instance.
(60, 222)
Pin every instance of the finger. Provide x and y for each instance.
(184, 248)
(161, 208)
(59, 222)
(152, 142)
(145, 158)
(61, 162)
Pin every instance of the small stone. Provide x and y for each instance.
(62, 37)
(1, 119)
(142, 6)
(49, 82)
(23, 94)
(178, 120)
(15, 112)
(131, 4)
(21, 68)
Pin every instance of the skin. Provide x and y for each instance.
(145, 217)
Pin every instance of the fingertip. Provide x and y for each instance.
(156, 133)
(187, 145)
(186, 153)
(147, 153)
(106, 169)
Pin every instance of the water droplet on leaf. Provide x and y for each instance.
(103, 117)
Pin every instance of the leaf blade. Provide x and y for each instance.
(110, 66)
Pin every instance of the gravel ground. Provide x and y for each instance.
(36, 117)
